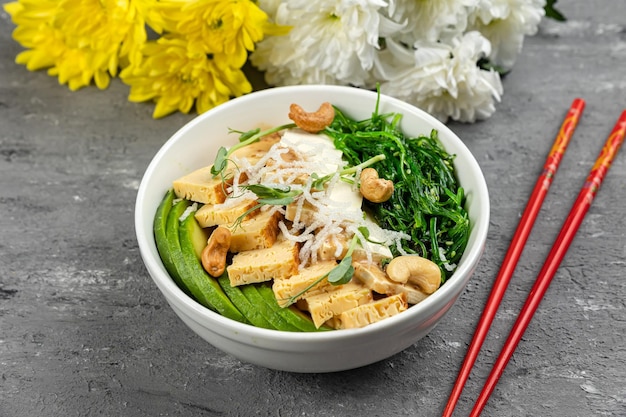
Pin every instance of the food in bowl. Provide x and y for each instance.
(324, 223)
(195, 145)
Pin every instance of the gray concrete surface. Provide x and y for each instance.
(84, 331)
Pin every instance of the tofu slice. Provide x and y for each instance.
(258, 232)
(279, 261)
(200, 186)
(255, 151)
(305, 215)
(216, 214)
(285, 289)
(325, 305)
(370, 313)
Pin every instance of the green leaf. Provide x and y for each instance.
(553, 13)
(275, 194)
(318, 182)
(273, 190)
(220, 161)
(247, 135)
(366, 234)
(342, 273)
(279, 201)
(485, 64)
(266, 191)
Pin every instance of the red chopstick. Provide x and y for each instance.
(555, 256)
(517, 245)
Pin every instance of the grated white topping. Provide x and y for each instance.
(446, 264)
(190, 209)
(336, 210)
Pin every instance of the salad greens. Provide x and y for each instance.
(427, 202)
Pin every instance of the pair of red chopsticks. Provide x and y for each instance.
(553, 260)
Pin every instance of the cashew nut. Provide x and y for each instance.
(419, 271)
(214, 254)
(313, 122)
(373, 188)
(377, 280)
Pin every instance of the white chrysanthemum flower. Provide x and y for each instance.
(505, 23)
(424, 52)
(337, 38)
(430, 20)
(443, 79)
(264, 59)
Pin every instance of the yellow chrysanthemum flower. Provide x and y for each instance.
(78, 40)
(35, 31)
(197, 61)
(140, 13)
(175, 78)
(219, 26)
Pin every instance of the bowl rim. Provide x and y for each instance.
(445, 294)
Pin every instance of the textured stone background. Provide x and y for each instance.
(83, 330)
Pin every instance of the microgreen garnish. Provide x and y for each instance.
(245, 139)
(274, 194)
(318, 182)
(221, 160)
(342, 273)
(279, 194)
(244, 136)
(366, 234)
(240, 219)
(339, 275)
(282, 195)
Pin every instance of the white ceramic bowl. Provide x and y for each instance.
(195, 145)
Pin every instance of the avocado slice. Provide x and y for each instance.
(256, 304)
(243, 304)
(251, 292)
(247, 300)
(192, 239)
(291, 314)
(159, 228)
(176, 252)
(198, 239)
(172, 246)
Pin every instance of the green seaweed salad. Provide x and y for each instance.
(427, 203)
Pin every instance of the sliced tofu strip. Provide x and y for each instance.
(201, 186)
(370, 313)
(302, 214)
(325, 305)
(259, 232)
(257, 150)
(279, 261)
(216, 214)
(286, 289)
